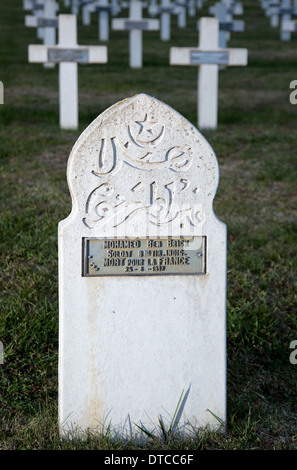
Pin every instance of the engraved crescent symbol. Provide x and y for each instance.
(147, 133)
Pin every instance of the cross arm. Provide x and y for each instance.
(236, 26)
(126, 24)
(238, 56)
(289, 26)
(36, 21)
(80, 54)
(196, 56)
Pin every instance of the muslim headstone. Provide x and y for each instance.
(142, 277)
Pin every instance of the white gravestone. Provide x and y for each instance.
(207, 57)
(68, 54)
(142, 276)
(135, 24)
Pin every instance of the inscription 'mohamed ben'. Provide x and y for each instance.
(144, 256)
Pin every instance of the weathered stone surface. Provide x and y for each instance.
(129, 345)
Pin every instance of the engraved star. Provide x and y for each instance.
(146, 126)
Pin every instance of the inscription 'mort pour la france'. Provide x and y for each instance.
(144, 256)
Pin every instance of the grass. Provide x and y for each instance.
(255, 145)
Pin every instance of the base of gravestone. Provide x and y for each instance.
(142, 278)
(166, 429)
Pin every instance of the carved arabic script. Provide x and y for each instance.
(123, 193)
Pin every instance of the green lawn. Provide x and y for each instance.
(255, 144)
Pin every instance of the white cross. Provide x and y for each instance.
(226, 23)
(234, 8)
(103, 8)
(272, 11)
(68, 54)
(182, 13)
(286, 11)
(48, 21)
(37, 9)
(165, 10)
(86, 9)
(207, 57)
(135, 24)
(75, 7)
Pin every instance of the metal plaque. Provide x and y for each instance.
(166, 10)
(209, 57)
(109, 257)
(68, 55)
(47, 22)
(287, 11)
(128, 25)
(103, 8)
(227, 26)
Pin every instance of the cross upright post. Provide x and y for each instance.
(75, 7)
(182, 13)
(86, 10)
(285, 11)
(68, 54)
(207, 57)
(165, 9)
(135, 24)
